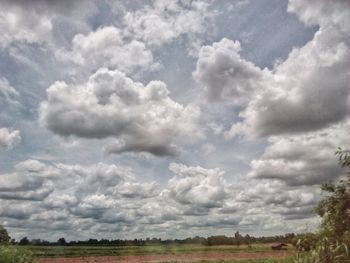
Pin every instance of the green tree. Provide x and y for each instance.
(4, 236)
(61, 241)
(238, 238)
(335, 207)
(24, 241)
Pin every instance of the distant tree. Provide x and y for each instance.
(92, 241)
(24, 241)
(246, 239)
(238, 238)
(4, 236)
(61, 241)
(335, 207)
(36, 242)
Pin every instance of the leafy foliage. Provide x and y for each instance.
(4, 236)
(24, 241)
(11, 254)
(305, 242)
(325, 252)
(334, 235)
(335, 207)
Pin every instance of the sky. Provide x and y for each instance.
(170, 119)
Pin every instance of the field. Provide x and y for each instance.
(158, 253)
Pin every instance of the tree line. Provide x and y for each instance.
(237, 240)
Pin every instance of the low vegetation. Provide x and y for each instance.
(13, 254)
(331, 243)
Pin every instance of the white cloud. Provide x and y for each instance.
(270, 202)
(109, 200)
(7, 93)
(197, 186)
(303, 159)
(27, 182)
(324, 14)
(8, 139)
(163, 21)
(22, 25)
(300, 106)
(141, 118)
(308, 91)
(224, 74)
(107, 47)
(32, 22)
(64, 186)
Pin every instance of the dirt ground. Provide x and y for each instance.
(212, 256)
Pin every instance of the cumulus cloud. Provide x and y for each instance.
(95, 192)
(27, 182)
(224, 74)
(141, 118)
(107, 47)
(20, 25)
(94, 196)
(305, 159)
(109, 199)
(88, 183)
(308, 91)
(32, 22)
(20, 211)
(8, 139)
(8, 93)
(163, 21)
(275, 200)
(197, 186)
(300, 105)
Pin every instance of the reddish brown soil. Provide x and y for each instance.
(212, 256)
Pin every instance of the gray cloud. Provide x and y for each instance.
(141, 118)
(8, 94)
(197, 186)
(301, 93)
(107, 47)
(270, 202)
(303, 159)
(8, 139)
(97, 197)
(27, 27)
(163, 21)
(224, 74)
(14, 212)
(299, 107)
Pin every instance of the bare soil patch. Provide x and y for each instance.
(191, 257)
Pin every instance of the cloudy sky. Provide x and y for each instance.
(165, 118)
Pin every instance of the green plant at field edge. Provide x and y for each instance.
(12, 254)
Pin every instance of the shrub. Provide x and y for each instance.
(4, 236)
(305, 242)
(325, 252)
(11, 254)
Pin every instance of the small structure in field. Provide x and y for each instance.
(280, 246)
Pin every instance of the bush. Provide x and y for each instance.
(4, 236)
(11, 254)
(305, 242)
(325, 252)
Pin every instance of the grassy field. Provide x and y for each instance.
(76, 251)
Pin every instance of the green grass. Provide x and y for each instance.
(76, 251)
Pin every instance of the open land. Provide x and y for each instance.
(157, 253)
